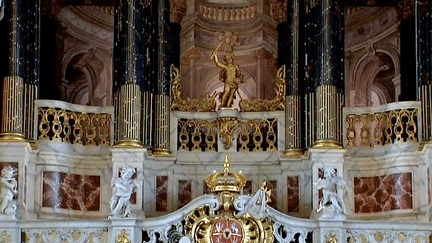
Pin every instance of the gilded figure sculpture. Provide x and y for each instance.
(230, 75)
(8, 187)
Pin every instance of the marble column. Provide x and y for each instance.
(32, 73)
(13, 70)
(424, 63)
(289, 50)
(162, 97)
(324, 91)
(128, 73)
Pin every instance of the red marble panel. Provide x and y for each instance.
(247, 189)
(162, 193)
(184, 192)
(71, 191)
(383, 193)
(206, 189)
(293, 194)
(273, 186)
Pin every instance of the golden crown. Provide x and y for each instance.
(226, 180)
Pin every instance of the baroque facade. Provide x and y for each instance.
(117, 123)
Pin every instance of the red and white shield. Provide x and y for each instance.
(226, 231)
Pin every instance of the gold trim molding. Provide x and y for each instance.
(275, 104)
(207, 103)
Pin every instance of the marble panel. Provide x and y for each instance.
(429, 186)
(25, 184)
(162, 193)
(247, 189)
(71, 191)
(206, 189)
(184, 192)
(383, 193)
(293, 194)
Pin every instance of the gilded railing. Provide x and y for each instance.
(257, 135)
(213, 134)
(378, 126)
(197, 135)
(75, 124)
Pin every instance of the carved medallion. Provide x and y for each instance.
(227, 231)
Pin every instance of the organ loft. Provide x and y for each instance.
(215, 121)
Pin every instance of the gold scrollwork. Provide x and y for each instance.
(6, 237)
(207, 103)
(74, 127)
(275, 104)
(123, 237)
(227, 126)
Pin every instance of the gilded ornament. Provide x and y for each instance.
(332, 238)
(275, 104)
(6, 237)
(381, 128)
(207, 103)
(123, 237)
(225, 224)
(227, 126)
(87, 128)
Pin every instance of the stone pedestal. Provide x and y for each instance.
(330, 231)
(17, 155)
(124, 157)
(10, 232)
(320, 157)
(124, 230)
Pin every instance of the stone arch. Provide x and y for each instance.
(368, 67)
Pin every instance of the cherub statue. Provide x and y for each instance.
(123, 189)
(330, 185)
(8, 185)
(230, 75)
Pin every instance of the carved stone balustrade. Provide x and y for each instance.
(74, 124)
(377, 126)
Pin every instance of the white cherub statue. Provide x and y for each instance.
(331, 204)
(8, 186)
(123, 188)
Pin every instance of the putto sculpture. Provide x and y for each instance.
(230, 75)
(331, 206)
(123, 187)
(8, 186)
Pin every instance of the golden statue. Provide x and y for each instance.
(230, 75)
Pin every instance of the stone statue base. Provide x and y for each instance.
(328, 213)
(7, 217)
